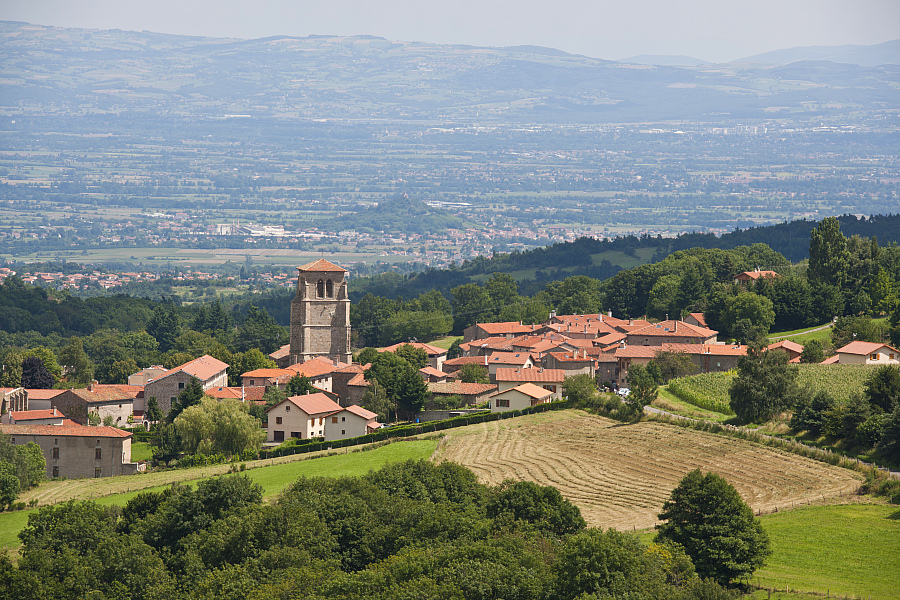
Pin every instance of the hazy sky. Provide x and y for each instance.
(715, 30)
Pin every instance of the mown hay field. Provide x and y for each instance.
(620, 475)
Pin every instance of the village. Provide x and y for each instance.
(81, 431)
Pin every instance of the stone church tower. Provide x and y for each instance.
(320, 314)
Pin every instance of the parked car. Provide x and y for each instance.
(623, 392)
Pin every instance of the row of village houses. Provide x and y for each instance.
(526, 365)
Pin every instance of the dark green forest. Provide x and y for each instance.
(411, 530)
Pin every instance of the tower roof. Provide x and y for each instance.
(321, 265)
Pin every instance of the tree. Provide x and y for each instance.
(417, 357)
(299, 385)
(376, 400)
(153, 414)
(259, 330)
(765, 384)
(829, 258)
(882, 388)
(745, 312)
(35, 375)
(473, 373)
(121, 369)
(389, 369)
(411, 395)
(219, 427)
(673, 364)
(642, 387)
(717, 529)
(579, 388)
(861, 329)
(9, 484)
(471, 304)
(454, 351)
(75, 362)
(164, 327)
(889, 445)
(542, 507)
(11, 365)
(189, 396)
(48, 358)
(167, 443)
(244, 362)
(812, 352)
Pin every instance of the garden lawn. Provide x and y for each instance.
(273, 478)
(140, 451)
(850, 549)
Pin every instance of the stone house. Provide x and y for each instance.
(471, 393)
(707, 358)
(75, 451)
(207, 370)
(105, 401)
(506, 360)
(509, 329)
(670, 332)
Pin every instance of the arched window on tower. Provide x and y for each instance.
(320, 289)
(329, 288)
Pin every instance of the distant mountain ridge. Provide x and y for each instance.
(357, 77)
(665, 60)
(887, 53)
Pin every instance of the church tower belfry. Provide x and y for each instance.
(320, 314)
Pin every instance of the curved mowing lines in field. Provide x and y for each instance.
(620, 476)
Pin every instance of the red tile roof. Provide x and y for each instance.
(312, 404)
(505, 327)
(757, 274)
(43, 394)
(529, 389)
(106, 394)
(831, 360)
(359, 411)
(281, 352)
(509, 358)
(204, 368)
(65, 431)
(700, 318)
(321, 265)
(672, 328)
(532, 374)
(787, 345)
(315, 367)
(428, 348)
(432, 372)
(863, 348)
(458, 387)
(466, 360)
(710, 349)
(358, 380)
(268, 373)
(30, 415)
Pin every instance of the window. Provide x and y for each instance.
(278, 420)
(252, 382)
(343, 431)
(278, 436)
(96, 471)
(287, 408)
(55, 471)
(874, 357)
(180, 385)
(891, 356)
(501, 403)
(55, 452)
(320, 289)
(329, 289)
(343, 419)
(98, 453)
(295, 434)
(334, 419)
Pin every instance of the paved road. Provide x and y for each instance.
(778, 337)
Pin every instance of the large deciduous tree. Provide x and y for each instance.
(882, 387)
(35, 375)
(829, 258)
(707, 516)
(643, 387)
(215, 426)
(765, 384)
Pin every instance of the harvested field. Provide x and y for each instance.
(620, 475)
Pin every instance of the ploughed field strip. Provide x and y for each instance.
(620, 475)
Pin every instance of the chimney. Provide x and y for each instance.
(609, 314)
(54, 411)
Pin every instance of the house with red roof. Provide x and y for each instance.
(506, 360)
(793, 349)
(471, 393)
(207, 370)
(706, 357)
(522, 396)
(867, 353)
(748, 276)
(301, 417)
(549, 379)
(115, 402)
(436, 356)
(50, 416)
(507, 329)
(352, 421)
(670, 332)
(74, 451)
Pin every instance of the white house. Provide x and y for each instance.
(349, 422)
(301, 417)
(520, 397)
(868, 353)
(549, 379)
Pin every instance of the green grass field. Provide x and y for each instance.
(273, 479)
(801, 336)
(140, 451)
(851, 549)
(669, 402)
